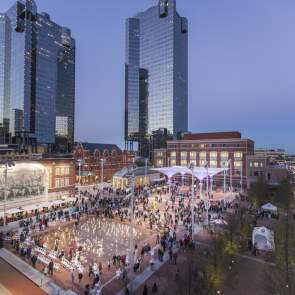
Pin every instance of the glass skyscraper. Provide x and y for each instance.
(156, 72)
(39, 80)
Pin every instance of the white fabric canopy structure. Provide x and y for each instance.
(199, 172)
(269, 207)
(263, 238)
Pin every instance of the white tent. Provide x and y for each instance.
(14, 211)
(263, 238)
(269, 207)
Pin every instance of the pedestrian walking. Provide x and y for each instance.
(50, 266)
(155, 288)
(145, 290)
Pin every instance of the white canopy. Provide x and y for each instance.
(199, 172)
(269, 207)
(263, 238)
(31, 207)
(14, 211)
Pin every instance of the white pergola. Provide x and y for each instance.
(200, 173)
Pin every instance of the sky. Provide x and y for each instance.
(241, 66)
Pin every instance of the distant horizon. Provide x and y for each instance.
(241, 66)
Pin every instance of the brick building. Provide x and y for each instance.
(94, 159)
(216, 149)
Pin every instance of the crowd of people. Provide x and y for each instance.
(101, 223)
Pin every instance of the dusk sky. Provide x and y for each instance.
(241, 66)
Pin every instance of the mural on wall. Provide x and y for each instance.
(24, 180)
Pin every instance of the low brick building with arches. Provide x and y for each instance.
(94, 160)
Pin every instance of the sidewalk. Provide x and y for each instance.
(44, 282)
(148, 272)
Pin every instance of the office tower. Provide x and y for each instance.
(4, 76)
(41, 77)
(156, 56)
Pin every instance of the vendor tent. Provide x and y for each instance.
(14, 211)
(269, 207)
(263, 238)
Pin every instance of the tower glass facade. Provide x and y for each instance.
(162, 51)
(41, 75)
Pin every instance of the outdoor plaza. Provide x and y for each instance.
(89, 242)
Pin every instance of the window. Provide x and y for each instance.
(183, 155)
(57, 183)
(173, 162)
(203, 155)
(203, 163)
(62, 182)
(238, 155)
(202, 145)
(238, 164)
(194, 162)
(256, 164)
(160, 154)
(224, 155)
(183, 162)
(159, 162)
(213, 155)
(67, 170)
(57, 171)
(67, 181)
(251, 164)
(213, 163)
(193, 155)
(62, 171)
(173, 154)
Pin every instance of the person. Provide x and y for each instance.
(73, 277)
(80, 277)
(155, 288)
(50, 266)
(145, 290)
(46, 270)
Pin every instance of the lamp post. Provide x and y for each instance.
(131, 228)
(241, 191)
(191, 167)
(207, 202)
(224, 181)
(6, 164)
(80, 163)
(230, 175)
(101, 175)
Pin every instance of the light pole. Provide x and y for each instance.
(230, 175)
(224, 181)
(207, 202)
(241, 191)
(131, 228)
(101, 175)
(80, 164)
(6, 164)
(191, 167)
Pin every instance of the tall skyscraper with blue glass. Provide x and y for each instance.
(37, 89)
(156, 72)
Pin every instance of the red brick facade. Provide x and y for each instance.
(90, 167)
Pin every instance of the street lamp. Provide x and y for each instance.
(207, 201)
(131, 179)
(191, 167)
(101, 175)
(80, 163)
(7, 164)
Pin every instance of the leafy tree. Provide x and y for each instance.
(282, 277)
(258, 192)
(284, 196)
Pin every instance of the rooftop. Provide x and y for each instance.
(212, 135)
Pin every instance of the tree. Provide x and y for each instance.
(258, 192)
(282, 277)
(284, 196)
